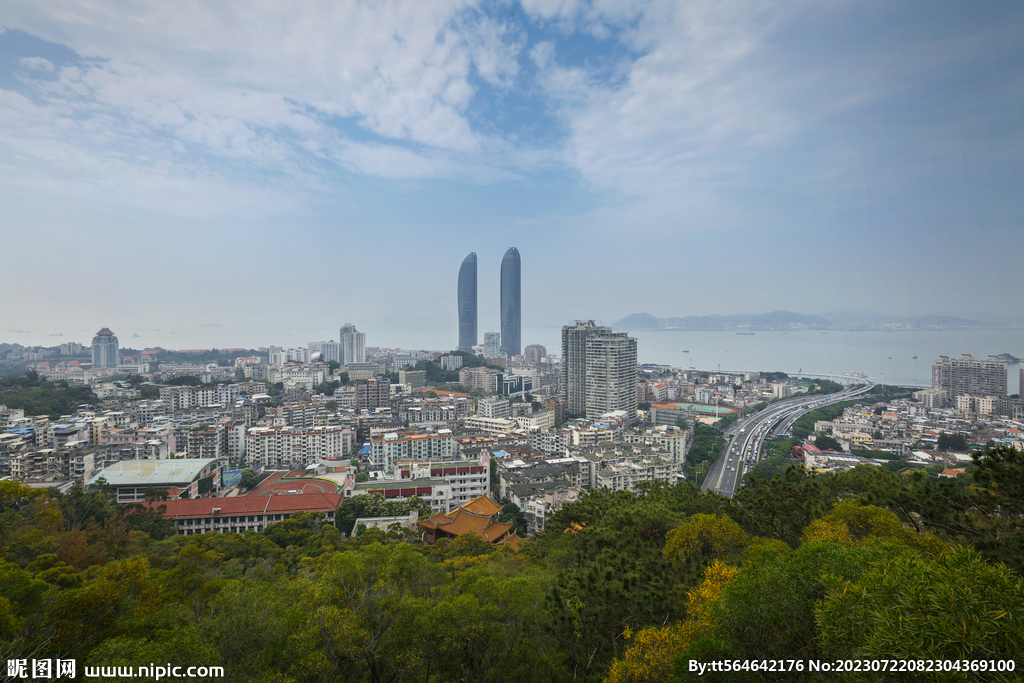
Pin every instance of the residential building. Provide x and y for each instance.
(535, 354)
(104, 350)
(451, 362)
(374, 393)
(467, 304)
(932, 398)
(353, 345)
(492, 407)
(598, 370)
(286, 447)
(511, 303)
(415, 379)
(492, 344)
(388, 448)
(970, 375)
(480, 378)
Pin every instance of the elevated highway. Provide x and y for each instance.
(746, 436)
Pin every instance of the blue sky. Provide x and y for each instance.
(244, 177)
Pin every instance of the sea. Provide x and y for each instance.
(901, 357)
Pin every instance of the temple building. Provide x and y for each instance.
(478, 516)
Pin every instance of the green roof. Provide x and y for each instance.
(154, 472)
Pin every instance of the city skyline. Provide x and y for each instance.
(756, 148)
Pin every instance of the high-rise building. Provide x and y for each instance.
(535, 353)
(511, 304)
(970, 375)
(492, 344)
(353, 345)
(104, 350)
(598, 370)
(467, 304)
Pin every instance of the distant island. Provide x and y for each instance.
(788, 321)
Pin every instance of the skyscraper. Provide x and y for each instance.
(598, 370)
(104, 350)
(467, 303)
(511, 304)
(353, 345)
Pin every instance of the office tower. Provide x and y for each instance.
(598, 370)
(104, 350)
(970, 375)
(467, 304)
(535, 353)
(492, 344)
(511, 304)
(353, 345)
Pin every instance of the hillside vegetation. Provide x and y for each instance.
(866, 564)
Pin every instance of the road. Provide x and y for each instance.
(746, 437)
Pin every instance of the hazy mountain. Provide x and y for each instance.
(776, 320)
(787, 320)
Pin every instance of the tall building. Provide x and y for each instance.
(598, 370)
(535, 353)
(492, 344)
(970, 375)
(467, 304)
(511, 304)
(104, 350)
(353, 345)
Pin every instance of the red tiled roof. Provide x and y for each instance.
(246, 505)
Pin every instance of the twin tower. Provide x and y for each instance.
(511, 304)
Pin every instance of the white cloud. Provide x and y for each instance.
(36, 63)
(264, 87)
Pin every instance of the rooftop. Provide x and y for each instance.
(153, 472)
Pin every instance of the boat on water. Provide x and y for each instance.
(914, 357)
(688, 350)
(746, 334)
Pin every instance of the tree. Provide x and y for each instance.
(248, 478)
(952, 442)
(185, 381)
(827, 443)
(955, 607)
(29, 521)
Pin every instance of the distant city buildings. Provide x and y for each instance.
(353, 345)
(104, 350)
(467, 304)
(511, 303)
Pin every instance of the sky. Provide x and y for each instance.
(248, 173)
